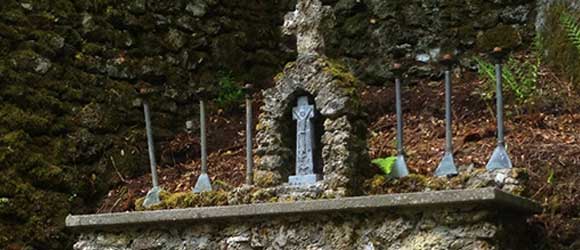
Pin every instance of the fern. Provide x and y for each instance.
(572, 29)
(230, 95)
(520, 78)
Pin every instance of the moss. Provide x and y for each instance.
(14, 118)
(380, 184)
(356, 25)
(278, 77)
(267, 179)
(187, 199)
(504, 36)
(262, 196)
(10, 32)
(93, 49)
(340, 72)
(15, 16)
(31, 211)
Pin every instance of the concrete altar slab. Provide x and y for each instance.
(490, 198)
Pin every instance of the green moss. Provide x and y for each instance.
(267, 179)
(262, 196)
(187, 199)
(381, 184)
(14, 118)
(503, 36)
(278, 77)
(340, 72)
(93, 49)
(356, 25)
(10, 32)
(14, 15)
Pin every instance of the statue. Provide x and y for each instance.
(303, 113)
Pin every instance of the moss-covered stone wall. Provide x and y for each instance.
(70, 118)
(559, 50)
(370, 33)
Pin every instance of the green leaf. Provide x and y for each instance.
(572, 29)
(385, 164)
(550, 177)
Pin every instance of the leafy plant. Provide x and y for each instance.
(385, 164)
(572, 29)
(520, 77)
(550, 179)
(229, 94)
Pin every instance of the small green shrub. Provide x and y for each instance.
(572, 29)
(385, 164)
(229, 94)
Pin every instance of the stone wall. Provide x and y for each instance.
(438, 230)
(70, 119)
(368, 34)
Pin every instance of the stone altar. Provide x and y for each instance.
(485, 219)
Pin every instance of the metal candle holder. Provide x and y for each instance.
(499, 159)
(400, 168)
(203, 183)
(447, 165)
(248, 89)
(152, 197)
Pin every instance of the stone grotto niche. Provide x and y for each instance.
(339, 120)
(341, 125)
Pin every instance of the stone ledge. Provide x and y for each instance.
(485, 197)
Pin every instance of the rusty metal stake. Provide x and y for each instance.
(447, 165)
(499, 159)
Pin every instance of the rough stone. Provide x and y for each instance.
(334, 92)
(67, 72)
(197, 8)
(427, 25)
(428, 221)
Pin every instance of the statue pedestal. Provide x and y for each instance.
(308, 179)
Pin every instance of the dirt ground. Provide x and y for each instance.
(542, 135)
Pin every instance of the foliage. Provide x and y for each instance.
(520, 77)
(561, 53)
(572, 29)
(229, 94)
(385, 164)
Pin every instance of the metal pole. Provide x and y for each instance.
(448, 116)
(400, 169)
(499, 158)
(152, 197)
(447, 165)
(203, 182)
(249, 132)
(499, 105)
(203, 137)
(150, 145)
(399, 117)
